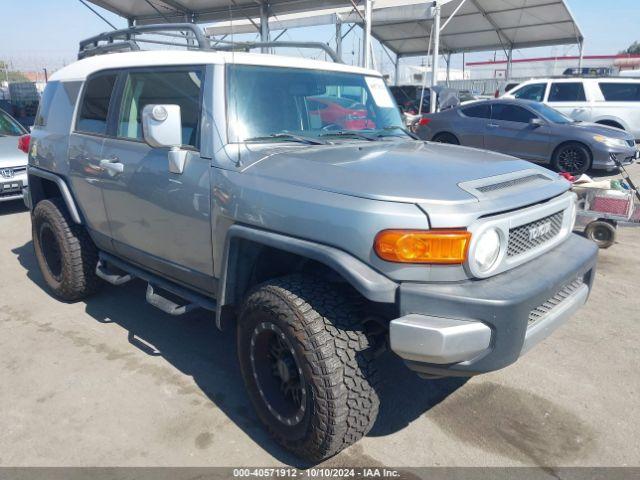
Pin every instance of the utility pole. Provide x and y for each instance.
(46, 76)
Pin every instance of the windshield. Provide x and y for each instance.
(550, 114)
(8, 126)
(285, 104)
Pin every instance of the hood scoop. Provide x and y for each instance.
(507, 184)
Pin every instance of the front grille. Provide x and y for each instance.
(565, 292)
(511, 183)
(526, 237)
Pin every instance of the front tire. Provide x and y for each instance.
(67, 257)
(573, 158)
(308, 365)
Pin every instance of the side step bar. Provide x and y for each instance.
(192, 300)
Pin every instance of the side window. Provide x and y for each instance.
(621, 92)
(511, 113)
(45, 104)
(567, 92)
(477, 111)
(95, 104)
(534, 92)
(163, 87)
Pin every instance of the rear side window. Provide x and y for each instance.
(45, 104)
(621, 92)
(567, 92)
(477, 111)
(511, 113)
(534, 92)
(162, 87)
(95, 104)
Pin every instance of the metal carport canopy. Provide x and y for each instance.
(481, 25)
(203, 11)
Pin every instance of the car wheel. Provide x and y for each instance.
(602, 233)
(308, 365)
(573, 158)
(445, 138)
(65, 254)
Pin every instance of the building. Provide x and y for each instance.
(550, 66)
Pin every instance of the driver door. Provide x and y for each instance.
(510, 132)
(161, 220)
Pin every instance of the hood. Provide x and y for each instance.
(401, 171)
(597, 129)
(10, 156)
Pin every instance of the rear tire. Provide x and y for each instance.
(602, 233)
(573, 158)
(308, 365)
(67, 257)
(445, 138)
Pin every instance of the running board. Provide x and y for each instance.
(192, 300)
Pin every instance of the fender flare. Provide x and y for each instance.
(64, 191)
(368, 282)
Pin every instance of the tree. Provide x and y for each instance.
(633, 49)
(12, 76)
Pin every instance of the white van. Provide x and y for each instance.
(609, 101)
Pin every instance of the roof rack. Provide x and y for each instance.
(192, 36)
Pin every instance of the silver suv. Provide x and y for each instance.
(323, 235)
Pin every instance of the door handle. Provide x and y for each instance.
(112, 167)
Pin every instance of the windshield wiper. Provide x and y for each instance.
(289, 137)
(348, 133)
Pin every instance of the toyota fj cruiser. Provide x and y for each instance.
(207, 175)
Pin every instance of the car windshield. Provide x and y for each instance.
(291, 104)
(551, 114)
(9, 127)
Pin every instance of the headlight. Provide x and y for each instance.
(487, 250)
(611, 142)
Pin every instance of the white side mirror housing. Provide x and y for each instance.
(162, 125)
(162, 128)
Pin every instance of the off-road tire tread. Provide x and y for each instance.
(79, 253)
(344, 377)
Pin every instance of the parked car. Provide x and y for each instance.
(340, 113)
(202, 174)
(13, 162)
(610, 101)
(532, 131)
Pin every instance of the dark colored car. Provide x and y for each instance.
(532, 131)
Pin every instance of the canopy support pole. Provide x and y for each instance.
(581, 57)
(436, 54)
(397, 70)
(448, 60)
(339, 39)
(509, 63)
(366, 39)
(264, 25)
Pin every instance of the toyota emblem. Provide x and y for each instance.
(6, 172)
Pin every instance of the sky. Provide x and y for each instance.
(45, 33)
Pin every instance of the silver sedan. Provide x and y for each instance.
(532, 131)
(13, 162)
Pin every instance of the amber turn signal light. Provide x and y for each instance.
(445, 247)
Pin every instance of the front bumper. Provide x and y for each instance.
(602, 157)
(477, 326)
(12, 188)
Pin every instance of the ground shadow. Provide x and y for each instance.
(9, 208)
(196, 348)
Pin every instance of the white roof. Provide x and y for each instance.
(78, 71)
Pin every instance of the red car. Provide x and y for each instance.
(344, 113)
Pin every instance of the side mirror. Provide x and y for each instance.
(536, 122)
(162, 128)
